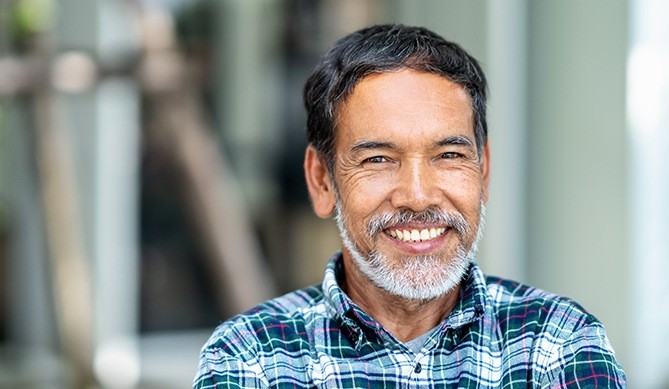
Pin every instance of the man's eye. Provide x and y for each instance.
(377, 159)
(450, 155)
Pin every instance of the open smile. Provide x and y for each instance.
(415, 235)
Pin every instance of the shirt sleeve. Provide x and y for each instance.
(218, 369)
(586, 360)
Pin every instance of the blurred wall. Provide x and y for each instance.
(577, 166)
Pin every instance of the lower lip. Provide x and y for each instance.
(419, 247)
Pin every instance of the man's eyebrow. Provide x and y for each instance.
(455, 140)
(367, 145)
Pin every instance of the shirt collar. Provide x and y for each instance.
(472, 300)
(470, 306)
(337, 302)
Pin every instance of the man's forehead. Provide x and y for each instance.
(405, 91)
(405, 102)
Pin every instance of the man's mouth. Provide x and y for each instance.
(415, 235)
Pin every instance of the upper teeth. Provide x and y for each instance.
(416, 235)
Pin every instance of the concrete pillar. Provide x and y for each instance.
(248, 91)
(103, 124)
(578, 236)
(648, 122)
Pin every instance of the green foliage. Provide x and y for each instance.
(31, 16)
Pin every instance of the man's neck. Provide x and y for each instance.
(406, 319)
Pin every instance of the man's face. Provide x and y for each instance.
(409, 183)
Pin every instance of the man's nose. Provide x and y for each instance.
(416, 187)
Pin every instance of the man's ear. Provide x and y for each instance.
(318, 182)
(485, 171)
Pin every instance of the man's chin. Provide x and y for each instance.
(417, 278)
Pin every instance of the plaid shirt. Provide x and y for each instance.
(501, 334)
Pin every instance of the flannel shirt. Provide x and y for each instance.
(500, 334)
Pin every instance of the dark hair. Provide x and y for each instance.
(380, 49)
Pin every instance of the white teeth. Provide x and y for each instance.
(416, 235)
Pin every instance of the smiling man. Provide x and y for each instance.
(398, 153)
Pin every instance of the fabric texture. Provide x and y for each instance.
(500, 334)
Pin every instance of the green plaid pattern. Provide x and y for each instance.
(501, 334)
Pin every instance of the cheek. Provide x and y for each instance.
(464, 190)
(364, 197)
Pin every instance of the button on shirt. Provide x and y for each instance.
(500, 334)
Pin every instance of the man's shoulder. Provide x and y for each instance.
(565, 343)
(517, 305)
(292, 304)
(272, 319)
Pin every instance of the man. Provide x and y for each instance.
(398, 153)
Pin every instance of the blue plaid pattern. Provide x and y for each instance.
(501, 334)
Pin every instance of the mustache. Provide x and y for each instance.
(454, 220)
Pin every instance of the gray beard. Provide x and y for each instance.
(422, 277)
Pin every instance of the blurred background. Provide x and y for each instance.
(151, 179)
